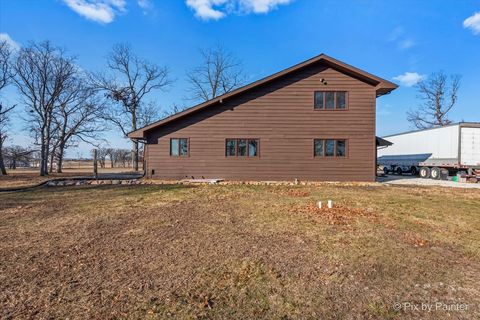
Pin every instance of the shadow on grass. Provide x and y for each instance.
(134, 188)
(119, 190)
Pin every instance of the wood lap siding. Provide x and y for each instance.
(281, 115)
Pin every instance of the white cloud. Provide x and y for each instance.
(146, 5)
(473, 23)
(409, 79)
(13, 45)
(400, 38)
(205, 9)
(101, 11)
(262, 6)
(217, 9)
(406, 44)
(396, 33)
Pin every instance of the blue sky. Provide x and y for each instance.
(397, 40)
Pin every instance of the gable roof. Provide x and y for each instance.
(382, 87)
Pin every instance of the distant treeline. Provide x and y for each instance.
(118, 157)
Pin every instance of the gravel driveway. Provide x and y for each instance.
(416, 181)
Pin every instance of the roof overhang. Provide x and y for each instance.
(382, 87)
(382, 142)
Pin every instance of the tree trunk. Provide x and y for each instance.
(135, 142)
(60, 162)
(61, 151)
(63, 141)
(3, 171)
(46, 142)
(135, 155)
(42, 155)
(95, 163)
(52, 156)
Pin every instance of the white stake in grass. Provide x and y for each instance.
(319, 204)
(330, 204)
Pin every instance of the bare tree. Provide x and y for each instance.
(102, 156)
(42, 71)
(5, 78)
(123, 157)
(129, 81)
(17, 154)
(110, 153)
(174, 108)
(5, 67)
(4, 121)
(439, 95)
(75, 118)
(148, 113)
(219, 73)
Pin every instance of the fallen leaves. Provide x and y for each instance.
(415, 240)
(295, 193)
(292, 192)
(338, 215)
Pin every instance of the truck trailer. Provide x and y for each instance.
(434, 153)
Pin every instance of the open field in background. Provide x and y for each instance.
(238, 251)
(29, 176)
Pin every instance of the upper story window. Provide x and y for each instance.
(179, 147)
(330, 148)
(241, 147)
(330, 100)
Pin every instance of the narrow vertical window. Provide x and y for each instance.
(341, 100)
(183, 149)
(319, 99)
(242, 148)
(318, 148)
(340, 148)
(174, 143)
(329, 148)
(231, 148)
(252, 148)
(329, 100)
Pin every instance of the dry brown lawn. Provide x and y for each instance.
(239, 252)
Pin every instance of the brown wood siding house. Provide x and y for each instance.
(270, 129)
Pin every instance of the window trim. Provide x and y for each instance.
(347, 102)
(323, 156)
(179, 155)
(247, 156)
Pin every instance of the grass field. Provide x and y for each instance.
(240, 251)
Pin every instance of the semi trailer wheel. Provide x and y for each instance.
(413, 171)
(443, 174)
(435, 173)
(425, 172)
(385, 170)
(399, 171)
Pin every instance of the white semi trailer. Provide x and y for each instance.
(434, 153)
